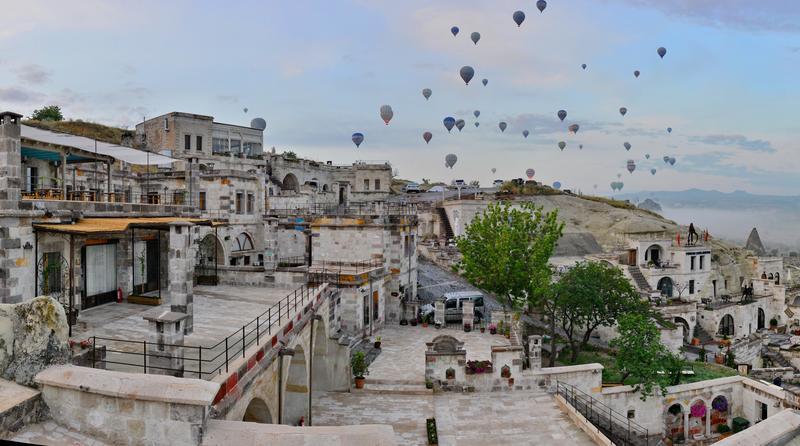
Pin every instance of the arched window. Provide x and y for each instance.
(726, 326)
(243, 242)
(290, 183)
(665, 286)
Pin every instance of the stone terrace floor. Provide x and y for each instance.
(513, 418)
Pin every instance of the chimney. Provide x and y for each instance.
(10, 159)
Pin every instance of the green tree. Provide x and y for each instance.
(289, 155)
(506, 251)
(48, 113)
(642, 357)
(593, 294)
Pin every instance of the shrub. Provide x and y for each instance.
(358, 365)
(723, 428)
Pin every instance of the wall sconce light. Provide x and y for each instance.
(27, 245)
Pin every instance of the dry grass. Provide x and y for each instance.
(112, 135)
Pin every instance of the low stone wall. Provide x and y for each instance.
(241, 275)
(19, 405)
(770, 374)
(776, 430)
(128, 408)
(226, 433)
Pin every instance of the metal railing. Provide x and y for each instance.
(293, 261)
(368, 208)
(202, 362)
(616, 427)
(51, 189)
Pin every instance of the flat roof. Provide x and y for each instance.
(118, 225)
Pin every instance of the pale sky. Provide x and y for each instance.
(318, 71)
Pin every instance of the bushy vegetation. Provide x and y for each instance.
(100, 132)
(531, 189)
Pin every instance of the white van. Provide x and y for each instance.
(454, 301)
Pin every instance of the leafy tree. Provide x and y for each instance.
(48, 113)
(475, 183)
(642, 356)
(289, 155)
(593, 294)
(506, 250)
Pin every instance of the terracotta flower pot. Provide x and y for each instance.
(695, 341)
(719, 358)
(483, 330)
(377, 344)
(360, 382)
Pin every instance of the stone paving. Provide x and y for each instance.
(50, 433)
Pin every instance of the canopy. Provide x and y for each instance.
(118, 225)
(125, 154)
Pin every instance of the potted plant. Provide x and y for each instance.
(404, 321)
(483, 329)
(413, 322)
(724, 430)
(773, 323)
(492, 329)
(508, 332)
(696, 335)
(701, 355)
(719, 358)
(467, 328)
(428, 384)
(725, 341)
(500, 325)
(377, 343)
(358, 365)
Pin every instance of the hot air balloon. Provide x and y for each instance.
(647, 155)
(386, 113)
(475, 37)
(620, 185)
(580, 147)
(477, 124)
(450, 160)
(562, 145)
(449, 122)
(519, 17)
(245, 109)
(460, 124)
(530, 173)
(672, 161)
(666, 158)
(562, 114)
(662, 52)
(427, 137)
(454, 30)
(653, 171)
(583, 66)
(485, 81)
(636, 73)
(619, 175)
(541, 4)
(613, 185)
(466, 73)
(669, 129)
(525, 133)
(623, 111)
(494, 169)
(557, 185)
(427, 93)
(574, 128)
(358, 138)
(502, 126)
(627, 145)
(476, 113)
(631, 166)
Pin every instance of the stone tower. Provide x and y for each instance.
(10, 160)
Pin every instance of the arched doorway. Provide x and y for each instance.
(296, 404)
(687, 334)
(290, 183)
(674, 420)
(698, 412)
(257, 412)
(726, 326)
(762, 318)
(209, 255)
(653, 254)
(665, 286)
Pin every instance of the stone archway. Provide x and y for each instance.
(762, 319)
(726, 326)
(674, 421)
(665, 286)
(290, 183)
(687, 334)
(296, 403)
(698, 418)
(257, 412)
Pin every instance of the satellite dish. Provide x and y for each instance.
(258, 123)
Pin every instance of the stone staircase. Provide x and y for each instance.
(448, 230)
(704, 336)
(778, 358)
(639, 278)
(394, 387)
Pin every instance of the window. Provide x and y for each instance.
(187, 142)
(691, 262)
(702, 260)
(202, 201)
(366, 184)
(33, 179)
(250, 202)
(199, 143)
(219, 145)
(242, 243)
(377, 184)
(239, 200)
(691, 287)
(166, 124)
(450, 304)
(246, 260)
(252, 148)
(631, 414)
(236, 145)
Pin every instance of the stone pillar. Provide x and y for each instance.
(535, 353)
(468, 314)
(10, 160)
(166, 332)
(181, 270)
(438, 313)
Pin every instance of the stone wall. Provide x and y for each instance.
(33, 336)
(225, 433)
(128, 408)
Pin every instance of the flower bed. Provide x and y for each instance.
(478, 367)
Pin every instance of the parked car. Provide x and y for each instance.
(453, 303)
(411, 188)
(439, 189)
(498, 183)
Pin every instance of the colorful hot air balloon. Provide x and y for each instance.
(541, 4)
(502, 126)
(653, 171)
(449, 122)
(669, 129)
(636, 73)
(530, 173)
(519, 17)
(631, 166)
(562, 115)
(623, 111)
(450, 160)
(476, 113)
(460, 124)
(475, 37)
(574, 128)
(358, 138)
(466, 73)
(427, 137)
(454, 30)
(583, 66)
(662, 52)
(562, 145)
(485, 81)
(627, 146)
(525, 133)
(427, 93)
(386, 113)
(557, 185)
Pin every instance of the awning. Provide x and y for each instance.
(118, 225)
(126, 154)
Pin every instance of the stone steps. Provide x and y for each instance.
(386, 387)
(638, 277)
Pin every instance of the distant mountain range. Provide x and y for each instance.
(698, 198)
